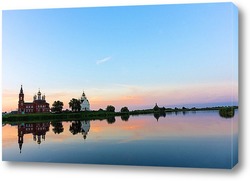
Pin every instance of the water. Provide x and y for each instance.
(200, 139)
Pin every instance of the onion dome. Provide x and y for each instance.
(39, 93)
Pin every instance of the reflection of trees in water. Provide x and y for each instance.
(111, 120)
(125, 117)
(82, 127)
(169, 113)
(226, 112)
(157, 115)
(75, 127)
(58, 127)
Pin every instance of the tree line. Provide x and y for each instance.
(75, 106)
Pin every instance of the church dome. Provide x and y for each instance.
(39, 93)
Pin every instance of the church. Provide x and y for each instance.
(84, 103)
(38, 105)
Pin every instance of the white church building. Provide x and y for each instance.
(84, 103)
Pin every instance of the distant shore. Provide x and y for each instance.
(102, 114)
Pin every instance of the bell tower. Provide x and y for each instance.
(21, 101)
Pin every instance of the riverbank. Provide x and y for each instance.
(97, 115)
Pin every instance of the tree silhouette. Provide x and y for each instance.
(110, 108)
(57, 106)
(124, 109)
(75, 105)
(156, 108)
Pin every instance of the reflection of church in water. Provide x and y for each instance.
(85, 128)
(38, 130)
(82, 127)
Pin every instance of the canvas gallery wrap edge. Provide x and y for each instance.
(152, 85)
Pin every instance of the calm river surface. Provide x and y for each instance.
(194, 139)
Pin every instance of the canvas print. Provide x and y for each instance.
(148, 85)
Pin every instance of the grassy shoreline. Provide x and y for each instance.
(99, 115)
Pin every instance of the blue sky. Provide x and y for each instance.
(133, 55)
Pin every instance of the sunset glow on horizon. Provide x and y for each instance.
(197, 96)
(138, 56)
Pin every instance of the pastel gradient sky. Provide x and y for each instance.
(135, 56)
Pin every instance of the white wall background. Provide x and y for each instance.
(42, 171)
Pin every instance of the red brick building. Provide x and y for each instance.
(38, 105)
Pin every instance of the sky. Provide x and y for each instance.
(134, 56)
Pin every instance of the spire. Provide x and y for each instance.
(21, 99)
(39, 139)
(83, 94)
(20, 147)
(20, 137)
(21, 90)
(156, 108)
(39, 94)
